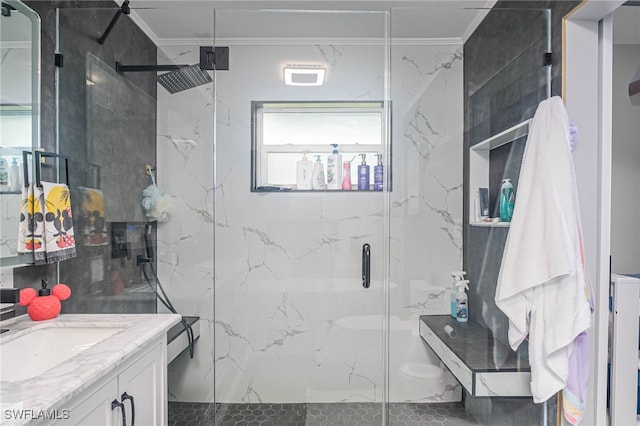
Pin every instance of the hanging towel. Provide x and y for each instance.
(542, 285)
(59, 241)
(31, 227)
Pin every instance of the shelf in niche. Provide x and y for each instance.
(479, 160)
(504, 137)
(491, 224)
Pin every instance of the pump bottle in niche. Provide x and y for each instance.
(363, 174)
(507, 200)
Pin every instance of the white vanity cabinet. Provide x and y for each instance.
(142, 378)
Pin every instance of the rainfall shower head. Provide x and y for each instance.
(184, 78)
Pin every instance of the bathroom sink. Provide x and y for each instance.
(30, 354)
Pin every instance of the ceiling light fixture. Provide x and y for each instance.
(295, 75)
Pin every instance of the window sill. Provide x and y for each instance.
(308, 191)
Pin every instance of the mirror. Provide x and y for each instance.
(19, 117)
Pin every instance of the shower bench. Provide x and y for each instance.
(482, 364)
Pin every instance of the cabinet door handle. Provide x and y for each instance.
(133, 407)
(115, 403)
(366, 265)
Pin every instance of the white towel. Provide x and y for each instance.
(542, 286)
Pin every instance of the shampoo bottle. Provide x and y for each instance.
(507, 200)
(457, 277)
(14, 176)
(317, 179)
(363, 174)
(334, 169)
(462, 310)
(304, 170)
(378, 174)
(346, 176)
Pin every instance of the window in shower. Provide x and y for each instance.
(285, 131)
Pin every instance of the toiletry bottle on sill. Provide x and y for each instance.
(346, 176)
(462, 307)
(317, 180)
(304, 170)
(363, 174)
(378, 174)
(334, 169)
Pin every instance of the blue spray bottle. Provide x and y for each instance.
(363, 174)
(457, 277)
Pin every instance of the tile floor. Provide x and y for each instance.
(338, 414)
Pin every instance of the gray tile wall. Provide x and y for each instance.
(115, 137)
(504, 80)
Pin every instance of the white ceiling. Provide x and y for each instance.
(167, 22)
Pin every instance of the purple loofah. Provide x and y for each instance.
(573, 138)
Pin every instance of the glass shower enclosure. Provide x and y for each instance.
(301, 274)
(308, 291)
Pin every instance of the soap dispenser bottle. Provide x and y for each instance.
(363, 174)
(304, 170)
(334, 169)
(462, 306)
(378, 174)
(507, 200)
(457, 276)
(317, 180)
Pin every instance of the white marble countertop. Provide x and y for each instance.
(53, 389)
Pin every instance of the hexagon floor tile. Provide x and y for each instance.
(323, 414)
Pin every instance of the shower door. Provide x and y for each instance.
(300, 275)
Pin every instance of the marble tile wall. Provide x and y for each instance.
(292, 321)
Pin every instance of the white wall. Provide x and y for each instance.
(625, 172)
(292, 321)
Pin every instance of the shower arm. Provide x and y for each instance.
(124, 9)
(147, 68)
(211, 59)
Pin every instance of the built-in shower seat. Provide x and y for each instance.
(483, 365)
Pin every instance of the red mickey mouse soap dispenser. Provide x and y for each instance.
(46, 304)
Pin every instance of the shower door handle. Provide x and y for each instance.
(366, 265)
